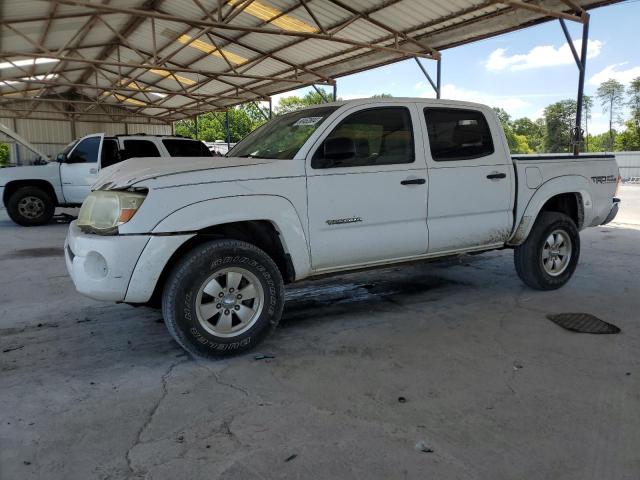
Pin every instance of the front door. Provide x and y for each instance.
(471, 180)
(367, 188)
(80, 169)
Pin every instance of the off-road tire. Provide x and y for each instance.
(528, 256)
(180, 304)
(43, 216)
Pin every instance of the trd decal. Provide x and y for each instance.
(604, 179)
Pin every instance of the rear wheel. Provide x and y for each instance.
(549, 256)
(30, 206)
(222, 298)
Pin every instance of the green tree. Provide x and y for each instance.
(505, 121)
(211, 126)
(629, 138)
(532, 131)
(611, 95)
(559, 119)
(293, 103)
(382, 95)
(4, 154)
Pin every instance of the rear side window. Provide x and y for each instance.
(376, 136)
(86, 151)
(139, 148)
(186, 148)
(457, 134)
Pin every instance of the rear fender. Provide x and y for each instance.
(556, 186)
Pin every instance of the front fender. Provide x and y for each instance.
(556, 186)
(218, 211)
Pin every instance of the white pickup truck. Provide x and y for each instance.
(31, 194)
(337, 187)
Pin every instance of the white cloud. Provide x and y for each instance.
(419, 85)
(613, 71)
(540, 56)
(514, 105)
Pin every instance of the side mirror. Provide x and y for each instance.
(61, 158)
(339, 148)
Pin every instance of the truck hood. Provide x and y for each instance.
(136, 170)
(31, 172)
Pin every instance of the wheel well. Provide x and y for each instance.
(11, 187)
(568, 203)
(260, 233)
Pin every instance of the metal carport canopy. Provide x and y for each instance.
(170, 59)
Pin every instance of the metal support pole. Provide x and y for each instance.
(264, 115)
(435, 86)
(581, 63)
(321, 93)
(439, 77)
(226, 129)
(270, 108)
(196, 123)
(335, 91)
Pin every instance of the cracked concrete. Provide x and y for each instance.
(90, 390)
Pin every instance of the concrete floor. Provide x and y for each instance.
(93, 390)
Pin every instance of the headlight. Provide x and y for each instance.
(104, 210)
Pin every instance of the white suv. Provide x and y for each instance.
(31, 194)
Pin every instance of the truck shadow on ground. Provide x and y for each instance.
(361, 293)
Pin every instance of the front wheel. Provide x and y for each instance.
(223, 297)
(30, 206)
(549, 256)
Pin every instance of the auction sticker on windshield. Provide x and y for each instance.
(307, 121)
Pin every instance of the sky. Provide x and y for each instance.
(522, 71)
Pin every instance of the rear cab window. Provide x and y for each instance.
(139, 148)
(186, 148)
(457, 134)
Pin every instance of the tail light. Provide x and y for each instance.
(618, 182)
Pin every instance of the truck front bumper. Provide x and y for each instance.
(119, 268)
(613, 212)
(101, 266)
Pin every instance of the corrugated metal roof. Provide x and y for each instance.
(170, 59)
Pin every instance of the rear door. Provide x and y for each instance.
(80, 169)
(471, 179)
(367, 188)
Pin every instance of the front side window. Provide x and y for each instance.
(282, 137)
(139, 148)
(110, 153)
(376, 136)
(457, 134)
(186, 148)
(86, 151)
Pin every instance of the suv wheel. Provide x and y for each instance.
(222, 298)
(548, 258)
(30, 206)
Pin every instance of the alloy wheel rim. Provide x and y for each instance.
(229, 302)
(31, 207)
(556, 253)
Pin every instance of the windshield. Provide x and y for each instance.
(68, 148)
(282, 137)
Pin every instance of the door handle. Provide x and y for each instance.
(93, 170)
(496, 176)
(413, 181)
